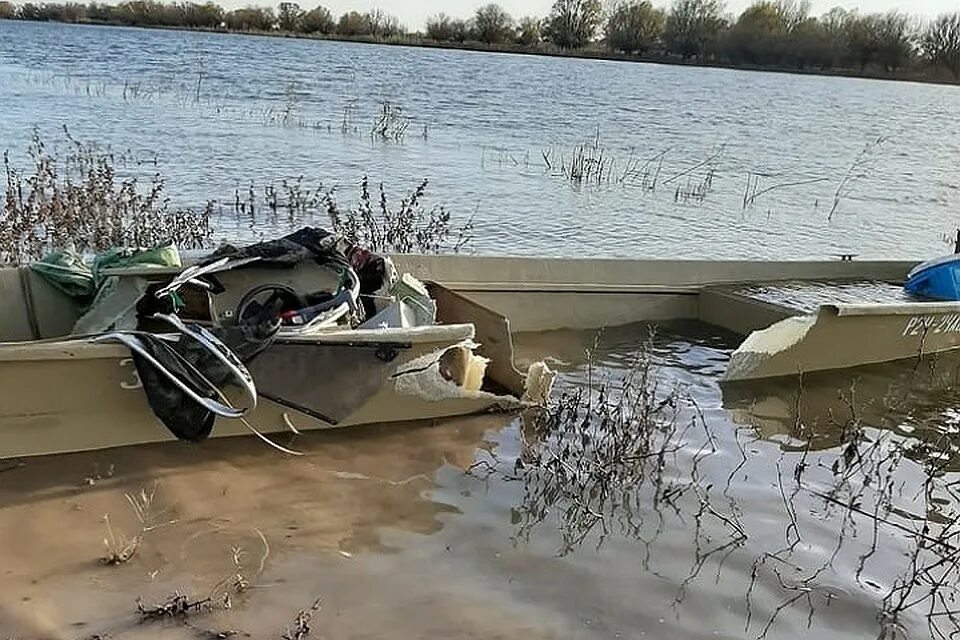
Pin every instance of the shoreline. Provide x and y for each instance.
(544, 51)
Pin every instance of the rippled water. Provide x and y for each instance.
(807, 296)
(384, 524)
(490, 118)
(431, 531)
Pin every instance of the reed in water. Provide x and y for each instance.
(85, 196)
(618, 453)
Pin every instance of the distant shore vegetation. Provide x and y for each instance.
(769, 34)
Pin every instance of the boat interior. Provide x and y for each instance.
(534, 294)
(36, 314)
(480, 305)
(739, 296)
(32, 308)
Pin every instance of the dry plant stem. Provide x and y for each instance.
(598, 459)
(374, 222)
(592, 164)
(753, 190)
(855, 171)
(301, 624)
(176, 606)
(864, 484)
(614, 454)
(80, 199)
(83, 199)
(391, 123)
(119, 548)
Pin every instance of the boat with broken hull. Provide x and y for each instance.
(63, 394)
(351, 342)
(796, 316)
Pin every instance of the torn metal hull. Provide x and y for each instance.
(64, 394)
(62, 397)
(67, 398)
(843, 336)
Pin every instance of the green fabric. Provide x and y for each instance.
(81, 280)
(67, 271)
(167, 256)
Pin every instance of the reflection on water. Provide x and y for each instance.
(855, 468)
(619, 445)
(888, 433)
(649, 502)
(915, 400)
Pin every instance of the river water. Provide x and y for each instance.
(746, 516)
(775, 510)
(221, 111)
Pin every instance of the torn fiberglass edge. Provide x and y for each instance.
(458, 372)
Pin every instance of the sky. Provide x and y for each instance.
(414, 13)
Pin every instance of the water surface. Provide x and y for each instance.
(219, 111)
(432, 531)
(445, 530)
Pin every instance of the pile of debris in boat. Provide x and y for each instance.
(301, 332)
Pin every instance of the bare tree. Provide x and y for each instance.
(529, 31)
(886, 39)
(758, 36)
(440, 27)
(634, 26)
(354, 23)
(289, 15)
(574, 23)
(896, 37)
(493, 25)
(941, 42)
(318, 20)
(250, 19)
(694, 26)
(383, 25)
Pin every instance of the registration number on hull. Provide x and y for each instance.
(921, 325)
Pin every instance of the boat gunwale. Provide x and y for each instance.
(892, 309)
(60, 349)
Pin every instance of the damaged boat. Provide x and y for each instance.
(826, 325)
(310, 332)
(304, 332)
(791, 317)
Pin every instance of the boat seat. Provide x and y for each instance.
(32, 309)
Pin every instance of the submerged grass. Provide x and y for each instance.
(120, 548)
(182, 607)
(86, 197)
(897, 485)
(82, 199)
(291, 106)
(300, 629)
(621, 454)
(372, 221)
(595, 459)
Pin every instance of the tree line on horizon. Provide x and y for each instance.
(768, 33)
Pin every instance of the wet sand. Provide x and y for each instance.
(383, 525)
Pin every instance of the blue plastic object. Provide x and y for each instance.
(937, 279)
